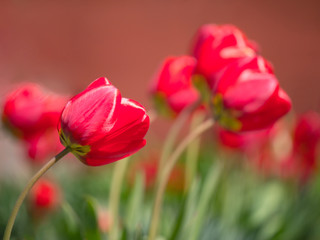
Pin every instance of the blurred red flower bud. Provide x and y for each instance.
(104, 220)
(32, 114)
(149, 170)
(303, 160)
(216, 46)
(29, 110)
(100, 127)
(243, 141)
(172, 87)
(42, 145)
(307, 132)
(44, 197)
(247, 96)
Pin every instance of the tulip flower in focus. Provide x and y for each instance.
(31, 114)
(216, 46)
(100, 127)
(45, 197)
(247, 96)
(172, 89)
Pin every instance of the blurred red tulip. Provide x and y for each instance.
(26, 110)
(217, 46)
(172, 85)
(149, 169)
(303, 160)
(247, 96)
(32, 114)
(243, 141)
(40, 146)
(44, 197)
(100, 127)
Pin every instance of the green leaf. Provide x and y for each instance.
(89, 220)
(209, 187)
(179, 221)
(135, 203)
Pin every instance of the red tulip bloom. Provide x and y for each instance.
(44, 196)
(247, 96)
(303, 160)
(244, 141)
(23, 112)
(217, 46)
(149, 169)
(172, 84)
(42, 145)
(100, 127)
(32, 114)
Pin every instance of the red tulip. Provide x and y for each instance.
(32, 115)
(42, 145)
(303, 160)
(44, 196)
(247, 96)
(149, 170)
(307, 132)
(244, 141)
(100, 127)
(217, 46)
(172, 84)
(23, 110)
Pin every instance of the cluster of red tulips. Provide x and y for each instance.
(224, 78)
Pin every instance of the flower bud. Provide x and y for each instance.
(32, 114)
(44, 197)
(100, 127)
(217, 46)
(247, 96)
(172, 89)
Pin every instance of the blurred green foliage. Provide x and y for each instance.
(226, 200)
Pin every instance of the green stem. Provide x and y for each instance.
(192, 152)
(165, 173)
(115, 191)
(174, 131)
(26, 190)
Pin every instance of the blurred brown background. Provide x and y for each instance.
(67, 44)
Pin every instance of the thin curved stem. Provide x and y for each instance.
(174, 131)
(192, 152)
(164, 175)
(114, 199)
(26, 190)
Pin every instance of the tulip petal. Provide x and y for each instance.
(100, 82)
(91, 114)
(277, 106)
(182, 99)
(252, 94)
(132, 123)
(112, 152)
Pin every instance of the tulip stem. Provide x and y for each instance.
(114, 198)
(165, 173)
(193, 152)
(26, 190)
(174, 131)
